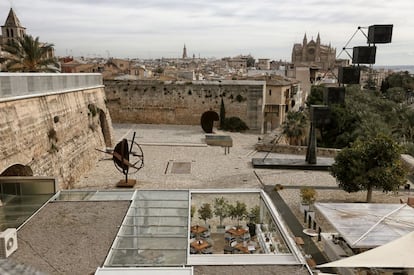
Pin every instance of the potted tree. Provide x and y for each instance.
(254, 218)
(307, 195)
(205, 212)
(221, 210)
(238, 212)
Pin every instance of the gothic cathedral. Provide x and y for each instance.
(313, 54)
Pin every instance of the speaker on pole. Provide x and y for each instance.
(364, 55)
(379, 34)
(349, 75)
(320, 115)
(333, 95)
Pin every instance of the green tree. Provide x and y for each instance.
(254, 214)
(396, 94)
(205, 212)
(238, 211)
(369, 164)
(250, 61)
(294, 127)
(27, 54)
(316, 96)
(222, 114)
(221, 209)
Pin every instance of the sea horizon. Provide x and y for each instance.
(397, 68)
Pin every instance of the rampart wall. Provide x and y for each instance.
(179, 102)
(53, 133)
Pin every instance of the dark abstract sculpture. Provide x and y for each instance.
(207, 121)
(128, 159)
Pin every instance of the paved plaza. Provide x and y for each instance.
(210, 167)
(167, 146)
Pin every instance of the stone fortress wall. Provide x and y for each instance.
(179, 102)
(52, 131)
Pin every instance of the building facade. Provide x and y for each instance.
(313, 54)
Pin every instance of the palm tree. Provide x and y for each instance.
(27, 54)
(294, 127)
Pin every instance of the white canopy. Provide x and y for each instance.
(368, 225)
(396, 254)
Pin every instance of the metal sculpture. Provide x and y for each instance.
(207, 121)
(128, 159)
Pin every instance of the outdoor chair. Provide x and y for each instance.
(246, 237)
(228, 250)
(207, 250)
(228, 237)
(205, 234)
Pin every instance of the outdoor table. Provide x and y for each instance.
(200, 245)
(242, 248)
(197, 229)
(237, 231)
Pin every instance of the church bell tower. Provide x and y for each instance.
(12, 28)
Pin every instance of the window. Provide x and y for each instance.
(270, 92)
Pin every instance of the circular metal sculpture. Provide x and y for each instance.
(207, 121)
(128, 158)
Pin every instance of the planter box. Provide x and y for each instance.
(220, 229)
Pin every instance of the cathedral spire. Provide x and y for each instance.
(184, 52)
(305, 40)
(318, 39)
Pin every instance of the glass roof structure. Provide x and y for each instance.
(93, 195)
(154, 231)
(368, 225)
(21, 197)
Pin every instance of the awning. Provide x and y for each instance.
(368, 225)
(396, 254)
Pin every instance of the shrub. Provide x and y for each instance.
(409, 149)
(234, 124)
(307, 194)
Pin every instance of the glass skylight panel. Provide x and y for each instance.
(154, 231)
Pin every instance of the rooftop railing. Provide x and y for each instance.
(22, 85)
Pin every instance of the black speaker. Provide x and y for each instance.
(364, 55)
(334, 95)
(379, 34)
(349, 75)
(320, 114)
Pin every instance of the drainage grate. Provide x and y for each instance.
(181, 168)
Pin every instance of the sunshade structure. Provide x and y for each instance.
(396, 254)
(368, 225)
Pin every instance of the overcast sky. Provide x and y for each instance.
(212, 28)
